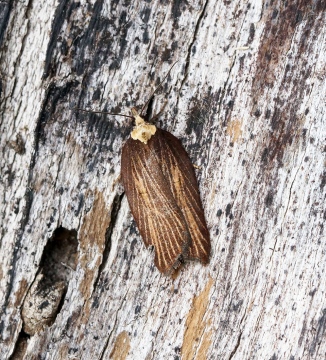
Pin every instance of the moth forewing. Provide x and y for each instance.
(163, 195)
(159, 220)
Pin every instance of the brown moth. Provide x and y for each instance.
(163, 195)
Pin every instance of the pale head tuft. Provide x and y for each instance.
(143, 131)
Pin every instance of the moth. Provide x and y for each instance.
(163, 195)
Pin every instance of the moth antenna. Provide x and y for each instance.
(159, 113)
(157, 87)
(103, 112)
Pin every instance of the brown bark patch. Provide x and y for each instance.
(92, 244)
(196, 333)
(92, 241)
(234, 130)
(121, 347)
(20, 293)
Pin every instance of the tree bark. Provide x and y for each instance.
(246, 98)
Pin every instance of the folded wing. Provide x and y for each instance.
(160, 221)
(180, 175)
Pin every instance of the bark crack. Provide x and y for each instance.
(114, 326)
(199, 20)
(116, 205)
(236, 347)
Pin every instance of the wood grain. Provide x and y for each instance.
(246, 99)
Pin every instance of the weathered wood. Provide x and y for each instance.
(247, 99)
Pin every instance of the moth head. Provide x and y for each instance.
(143, 131)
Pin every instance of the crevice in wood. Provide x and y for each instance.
(236, 347)
(60, 255)
(58, 21)
(20, 347)
(45, 297)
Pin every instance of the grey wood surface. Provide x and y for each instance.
(246, 98)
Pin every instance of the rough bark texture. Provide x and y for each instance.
(247, 100)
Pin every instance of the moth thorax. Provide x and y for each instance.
(143, 131)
